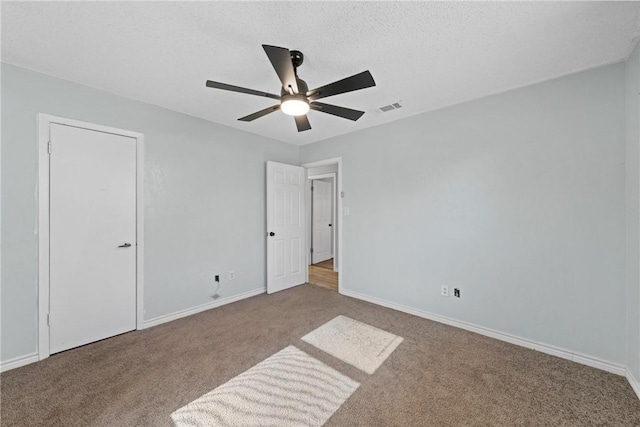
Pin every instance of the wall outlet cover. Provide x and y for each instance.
(444, 290)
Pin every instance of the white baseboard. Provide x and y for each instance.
(635, 384)
(197, 309)
(16, 362)
(523, 342)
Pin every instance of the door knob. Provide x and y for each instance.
(329, 225)
(272, 234)
(126, 245)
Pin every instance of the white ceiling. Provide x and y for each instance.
(425, 55)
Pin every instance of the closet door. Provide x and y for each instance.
(92, 292)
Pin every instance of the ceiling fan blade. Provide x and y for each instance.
(280, 58)
(224, 86)
(355, 82)
(302, 122)
(258, 114)
(346, 113)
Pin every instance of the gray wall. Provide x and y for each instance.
(633, 211)
(518, 199)
(204, 199)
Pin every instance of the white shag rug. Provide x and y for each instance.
(355, 343)
(289, 388)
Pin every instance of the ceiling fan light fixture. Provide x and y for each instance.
(294, 105)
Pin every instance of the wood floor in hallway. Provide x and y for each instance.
(322, 274)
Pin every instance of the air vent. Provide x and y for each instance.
(390, 107)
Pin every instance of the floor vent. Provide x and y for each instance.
(390, 107)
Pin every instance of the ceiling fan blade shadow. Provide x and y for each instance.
(302, 122)
(232, 88)
(258, 114)
(280, 58)
(349, 84)
(345, 113)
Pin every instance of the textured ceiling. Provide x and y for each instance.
(424, 55)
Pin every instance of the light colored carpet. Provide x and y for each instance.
(355, 343)
(440, 376)
(289, 388)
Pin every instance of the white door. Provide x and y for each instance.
(92, 292)
(285, 226)
(322, 225)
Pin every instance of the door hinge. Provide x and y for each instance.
(49, 147)
(311, 250)
(48, 319)
(312, 188)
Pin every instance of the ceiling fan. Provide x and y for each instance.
(295, 97)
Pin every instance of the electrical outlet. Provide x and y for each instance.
(216, 281)
(444, 290)
(456, 292)
(232, 275)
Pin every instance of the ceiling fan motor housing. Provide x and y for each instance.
(302, 88)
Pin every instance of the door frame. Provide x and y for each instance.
(338, 218)
(44, 122)
(334, 204)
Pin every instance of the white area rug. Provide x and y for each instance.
(289, 388)
(355, 343)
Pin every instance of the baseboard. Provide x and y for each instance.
(635, 384)
(16, 362)
(523, 342)
(197, 309)
(33, 357)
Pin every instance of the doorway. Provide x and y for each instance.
(321, 269)
(322, 218)
(90, 233)
(324, 229)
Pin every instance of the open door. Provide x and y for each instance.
(286, 261)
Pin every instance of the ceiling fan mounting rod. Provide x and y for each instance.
(297, 58)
